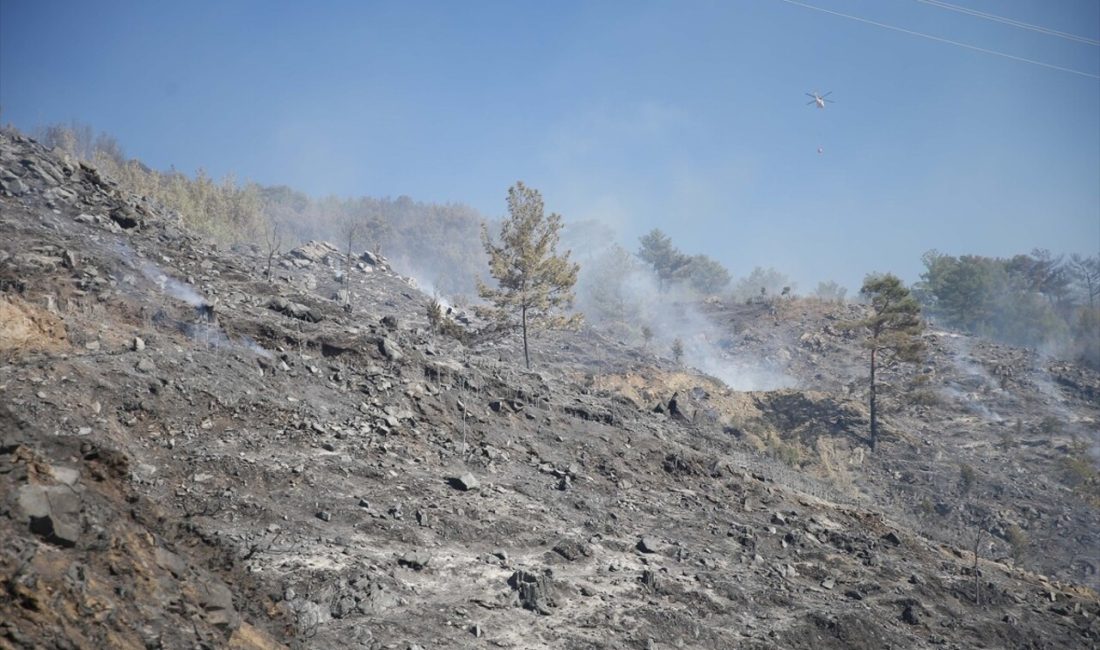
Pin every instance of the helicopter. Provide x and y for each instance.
(819, 100)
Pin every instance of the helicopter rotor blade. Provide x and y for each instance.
(827, 94)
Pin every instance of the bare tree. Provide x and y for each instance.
(273, 242)
(350, 231)
(1085, 272)
(678, 350)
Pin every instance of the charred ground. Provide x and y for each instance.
(194, 456)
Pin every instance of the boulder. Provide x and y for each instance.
(52, 512)
(126, 217)
(467, 482)
(313, 251)
(294, 310)
(414, 560)
(217, 603)
(390, 350)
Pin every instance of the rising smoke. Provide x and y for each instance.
(617, 292)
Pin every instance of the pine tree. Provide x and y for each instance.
(657, 250)
(893, 330)
(535, 283)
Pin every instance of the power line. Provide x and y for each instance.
(1010, 21)
(942, 40)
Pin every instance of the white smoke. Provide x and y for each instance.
(636, 299)
(171, 286)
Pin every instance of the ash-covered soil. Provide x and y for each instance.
(196, 455)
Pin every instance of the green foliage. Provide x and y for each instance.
(700, 273)
(1017, 540)
(703, 274)
(892, 330)
(535, 283)
(967, 478)
(1079, 472)
(435, 313)
(1034, 300)
(666, 260)
(440, 322)
(894, 325)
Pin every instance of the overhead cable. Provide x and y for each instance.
(943, 40)
(1010, 21)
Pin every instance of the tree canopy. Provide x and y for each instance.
(892, 329)
(657, 250)
(534, 283)
(1036, 300)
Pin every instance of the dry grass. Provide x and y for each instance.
(25, 327)
(651, 386)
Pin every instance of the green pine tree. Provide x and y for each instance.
(535, 283)
(657, 250)
(893, 330)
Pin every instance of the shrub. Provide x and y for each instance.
(967, 478)
(1018, 541)
(435, 313)
(1050, 426)
(678, 350)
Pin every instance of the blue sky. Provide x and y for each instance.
(687, 116)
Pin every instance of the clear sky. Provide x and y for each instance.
(688, 116)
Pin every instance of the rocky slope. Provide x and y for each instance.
(194, 455)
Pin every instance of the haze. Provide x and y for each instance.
(689, 117)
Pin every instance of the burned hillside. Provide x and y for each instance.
(196, 455)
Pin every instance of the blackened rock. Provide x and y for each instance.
(466, 482)
(911, 614)
(533, 592)
(294, 310)
(126, 217)
(571, 549)
(415, 560)
(343, 606)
